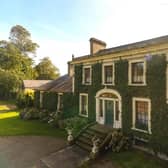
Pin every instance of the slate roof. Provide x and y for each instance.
(62, 84)
(34, 84)
(136, 45)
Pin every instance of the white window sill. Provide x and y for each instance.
(82, 115)
(140, 130)
(136, 84)
(86, 83)
(108, 84)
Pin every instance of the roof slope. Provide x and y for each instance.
(61, 84)
(136, 45)
(33, 84)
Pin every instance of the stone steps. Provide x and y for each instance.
(84, 141)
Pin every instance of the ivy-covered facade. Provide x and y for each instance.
(126, 87)
(123, 87)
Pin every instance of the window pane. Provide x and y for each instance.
(117, 112)
(84, 105)
(60, 101)
(87, 75)
(142, 115)
(101, 108)
(137, 72)
(108, 74)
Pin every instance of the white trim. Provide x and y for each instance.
(130, 72)
(134, 99)
(113, 75)
(59, 101)
(116, 124)
(80, 103)
(83, 74)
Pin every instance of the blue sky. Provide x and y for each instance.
(63, 27)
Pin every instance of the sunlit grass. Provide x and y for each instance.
(8, 115)
(12, 125)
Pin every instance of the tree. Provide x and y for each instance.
(15, 61)
(22, 39)
(9, 83)
(46, 70)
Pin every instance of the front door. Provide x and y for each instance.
(109, 111)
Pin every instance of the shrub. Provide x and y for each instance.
(76, 124)
(44, 115)
(25, 99)
(54, 118)
(29, 113)
(119, 141)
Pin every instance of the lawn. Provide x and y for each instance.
(136, 159)
(11, 124)
(127, 159)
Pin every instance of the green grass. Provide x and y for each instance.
(136, 159)
(12, 125)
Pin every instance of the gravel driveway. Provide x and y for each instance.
(26, 151)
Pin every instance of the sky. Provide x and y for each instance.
(64, 27)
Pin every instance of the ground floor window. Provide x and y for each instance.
(60, 102)
(83, 104)
(142, 114)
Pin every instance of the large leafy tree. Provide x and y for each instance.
(15, 59)
(22, 39)
(46, 70)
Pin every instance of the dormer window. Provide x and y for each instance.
(137, 72)
(87, 75)
(108, 74)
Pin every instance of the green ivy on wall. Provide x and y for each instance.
(50, 101)
(155, 90)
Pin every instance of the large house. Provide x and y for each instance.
(124, 87)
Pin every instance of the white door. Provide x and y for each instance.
(101, 116)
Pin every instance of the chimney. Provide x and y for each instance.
(96, 45)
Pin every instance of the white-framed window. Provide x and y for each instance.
(137, 72)
(83, 104)
(41, 99)
(87, 75)
(108, 74)
(60, 102)
(141, 114)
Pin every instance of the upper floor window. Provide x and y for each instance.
(137, 72)
(108, 74)
(142, 114)
(87, 75)
(83, 104)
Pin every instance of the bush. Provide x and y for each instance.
(25, 99)
(44, 115)
(29, 113)
(119, 141)
(54, 119)
(76, 124)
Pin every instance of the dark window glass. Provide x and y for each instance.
(60, 105)
(87, 75)
(101, 108)
(142, 115)
(137, 72)
(84, 105)
(117, 112)
(108, 74)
